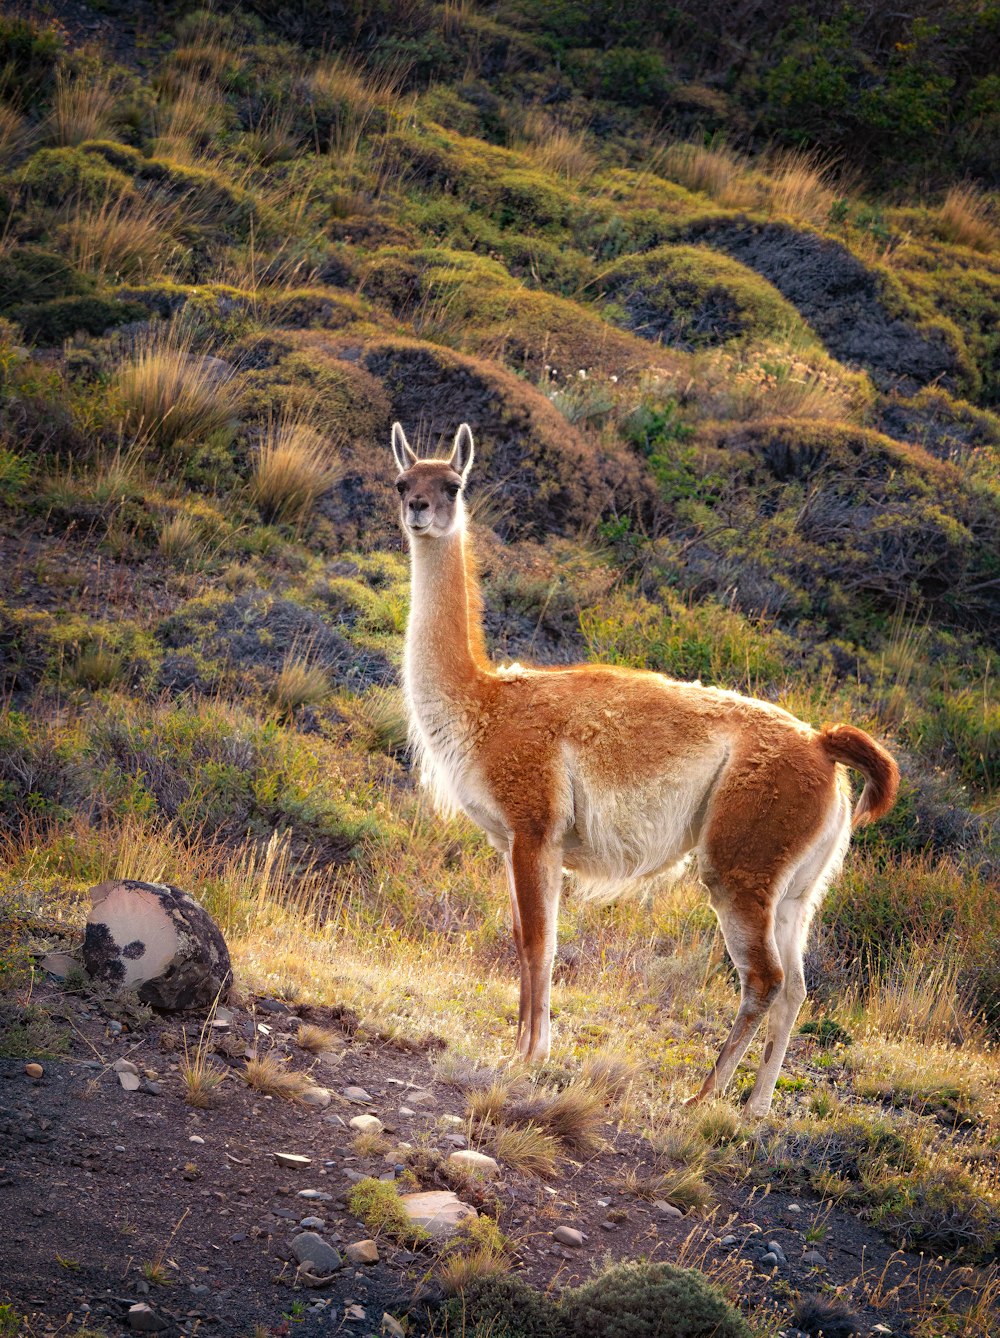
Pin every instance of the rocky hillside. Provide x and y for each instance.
(724, 323)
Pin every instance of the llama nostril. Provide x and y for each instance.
(417, 506)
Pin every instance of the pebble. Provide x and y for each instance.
(34, 1070)
(358, 1095)
(452, 1119)
(292, 1159)
(310, 1248)
(362, 1252)
(354, 1312)
(315, 1195)
(769, 1260)
(317, 1097)
(130, 1081)
(124, 1066)
(881, 1328)
(367, 1124)
(475, 1161)
(794, 1208)
(421, 1097)
(313, 1223)
(115, 1028)
(334, 1118)
(456, 1140)
(815, 1258)
(195, 1138)
(406, 1111)
(775, 1248)
(143, 1319)
(667, 1209)
(567, 1235)
(728, 1241)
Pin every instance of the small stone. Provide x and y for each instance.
(354, 1312)
(406, 1111)
(143, 1319)
(475, 1161)
(667, 1209)
(196, 1138)
(130, 1081)
(814, 1258)
(769, 1260)
(358, 1095)
(34, 1070)
(362, 1252)
(124, 1066)
(59, 964)
(317, 1097)
(153, 1088)
(367, 1124)
(314, 1195)
(728, 1242)
(313, 1223)
(292, 1159)
(420, 1096)
(567, 1235)
(794, 1208)
(392, 1327)
(312, 1250)
(115, 1028)
(452, 1119)
(456, 1140)
(775, 1248)
(881, 1328)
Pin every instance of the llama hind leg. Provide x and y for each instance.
(754, 953)
(537, 870)
(791, 928)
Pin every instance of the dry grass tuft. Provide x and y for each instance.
(187, 120)
(797, 183)
(573, 1116)
(715, 170)
(200, 1077)
(15, 134)
(300, 683)
(554, 147)
(315, 1039)
(968, 218)
(172, 397)
(485, 1104)
(271, 1076)
(525, 1148)
(82, 109)
(683, 1186)
(120, 238)
(609, 1075)
(180, 538)
(295, 465)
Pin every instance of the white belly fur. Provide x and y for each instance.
(622, 836)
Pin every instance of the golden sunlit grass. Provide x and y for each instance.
(714, 169)
(272, 1076)
(180, 538)
(796, 182)
(316, 1039)
(15, 134)
(295, 465)
(187, 119)
(969, 218)
(478, 1250)
(172, 397)
(121, 238)
(554, 147)
(682, 1186)
(82, 108)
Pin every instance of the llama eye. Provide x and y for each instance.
(453, 490)
(401, 487)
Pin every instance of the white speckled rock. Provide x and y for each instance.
(438, 1211)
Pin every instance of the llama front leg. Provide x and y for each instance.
(536, 865)
(524, 1004)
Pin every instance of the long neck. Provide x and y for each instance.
(445, 648)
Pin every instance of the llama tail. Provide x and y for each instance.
(856, 749)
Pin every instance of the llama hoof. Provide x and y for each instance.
(758, 1112)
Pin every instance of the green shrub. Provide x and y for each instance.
(506, 1306)
(53, 177)
(32, 274)
(377, 1204)
(645, 1300)
(54, 322)
(29, 54)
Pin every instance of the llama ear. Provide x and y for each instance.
(463, 452)
(401, 450)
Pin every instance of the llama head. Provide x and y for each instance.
(430, 491)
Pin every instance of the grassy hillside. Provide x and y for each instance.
(725, 327)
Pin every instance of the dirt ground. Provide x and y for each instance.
(111, 1198)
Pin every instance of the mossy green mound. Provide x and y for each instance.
(692, 297)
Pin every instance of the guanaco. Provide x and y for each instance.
(617, 774)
